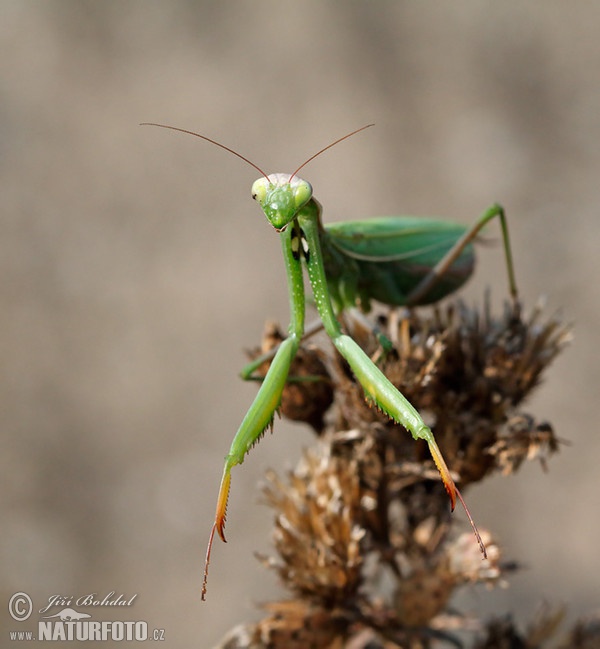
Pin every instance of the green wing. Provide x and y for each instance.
(385, 258)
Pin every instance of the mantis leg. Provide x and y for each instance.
(248, 372)
(260, 414)
(381, 391)
(431, 279)
(377, 387)
(258, 418)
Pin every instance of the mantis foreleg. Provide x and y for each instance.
(377, 387)
(260, 414)
(248, 372)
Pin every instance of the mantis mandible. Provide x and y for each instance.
(399, 261)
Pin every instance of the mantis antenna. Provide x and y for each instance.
(203, 137)
(318, 153)
(239, 155)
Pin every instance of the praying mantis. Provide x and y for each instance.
(399, 261)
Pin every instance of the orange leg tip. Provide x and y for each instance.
(451, 490)
(220, 526)
(221, 513)
(444, 473)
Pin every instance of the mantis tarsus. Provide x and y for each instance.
(401, 261)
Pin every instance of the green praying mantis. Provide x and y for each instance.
(399, 261)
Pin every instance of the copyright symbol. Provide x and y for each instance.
(20, 606)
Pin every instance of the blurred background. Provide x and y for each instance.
(136, 269)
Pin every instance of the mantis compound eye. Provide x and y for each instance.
(259, 190)
(302, 193)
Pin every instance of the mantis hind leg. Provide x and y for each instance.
(431, 279)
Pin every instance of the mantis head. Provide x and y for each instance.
(281, 196)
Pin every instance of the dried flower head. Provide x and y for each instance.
(363, 535)
(318, 527)
(466, 371)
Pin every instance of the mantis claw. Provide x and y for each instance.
(219, 524)
(453, 491)
(444, 472)
(221, 513)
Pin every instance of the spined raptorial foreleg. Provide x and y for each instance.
(258, 418)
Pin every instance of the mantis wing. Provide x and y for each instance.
(385, 258)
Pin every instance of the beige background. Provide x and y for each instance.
(136, 269)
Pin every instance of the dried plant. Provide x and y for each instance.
(364, 539)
